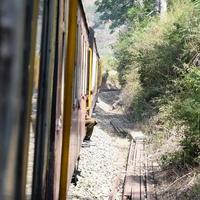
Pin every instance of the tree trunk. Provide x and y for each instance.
(162, 7)
(141, 3)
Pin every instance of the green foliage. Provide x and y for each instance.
(140, 13)
(119, 12)
(158, 65)
(102, 34)
(186, 107)
(114, 10)
(176, 160)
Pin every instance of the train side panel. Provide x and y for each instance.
(62, 34)
(68, 94)
(79, 100)
(77, 127)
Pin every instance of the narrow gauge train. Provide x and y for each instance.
(50, 75)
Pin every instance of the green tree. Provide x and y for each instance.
(118, 12)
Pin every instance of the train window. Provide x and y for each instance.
(36, 55)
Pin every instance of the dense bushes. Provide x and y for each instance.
(158, 62)
(186, 107)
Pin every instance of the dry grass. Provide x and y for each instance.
(174, 183)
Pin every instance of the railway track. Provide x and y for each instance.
(138, 173)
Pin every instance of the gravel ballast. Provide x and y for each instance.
(103, 161)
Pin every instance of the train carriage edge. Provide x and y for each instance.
(50, 81)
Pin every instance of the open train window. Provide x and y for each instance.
(35, 56)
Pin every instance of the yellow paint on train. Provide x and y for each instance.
(69, 74)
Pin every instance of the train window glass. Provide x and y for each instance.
(36, 69)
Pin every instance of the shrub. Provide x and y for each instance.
(158, 63)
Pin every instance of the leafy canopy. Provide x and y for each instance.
(118, 12)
